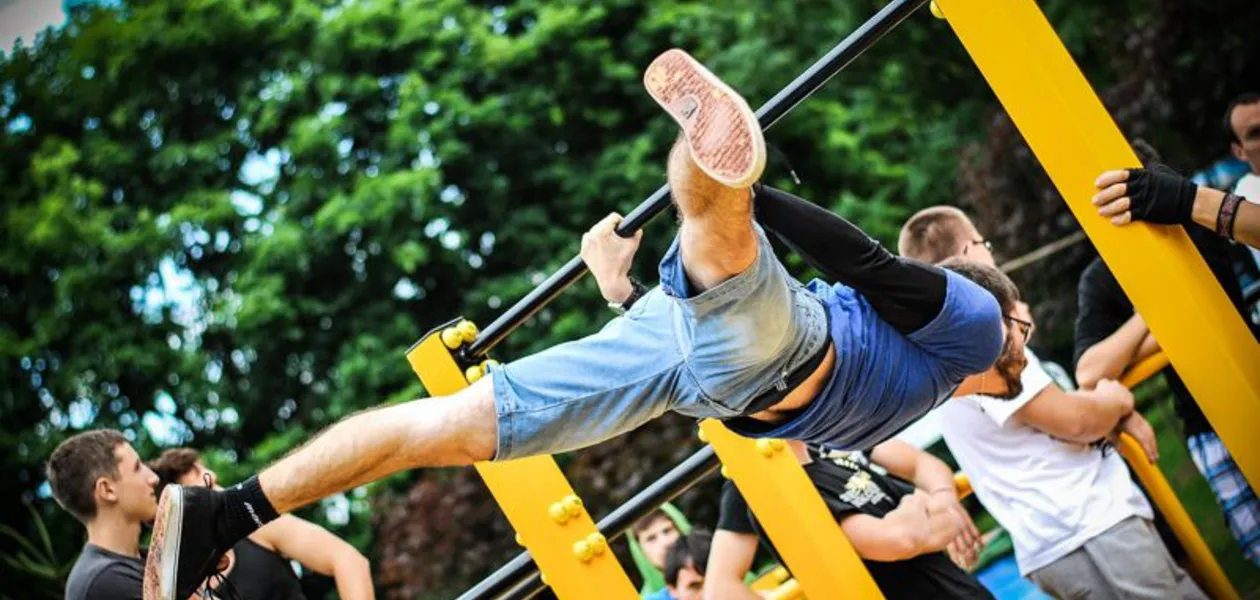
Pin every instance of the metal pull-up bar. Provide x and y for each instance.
(770, 113)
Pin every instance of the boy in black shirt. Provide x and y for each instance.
(98, 477)
(898, 530)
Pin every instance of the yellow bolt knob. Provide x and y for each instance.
(572, 505)
(473, 373)
(451, 338)
(467, 330)
(777, 444)
(725, 473)
(764, 447)
(936, 10)
(583, 551)
(704, 437)
(519, 541)
(543, 578)
(489, 362)
(599, 544)
(557, 513)
(780, 574)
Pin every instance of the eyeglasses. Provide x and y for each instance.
(981, 242)
(1025, 327)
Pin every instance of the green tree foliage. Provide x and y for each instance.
(224, 221)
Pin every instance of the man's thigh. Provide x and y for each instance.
(1073, 577)
(1137, 564)
(742, 336)
(583, 392)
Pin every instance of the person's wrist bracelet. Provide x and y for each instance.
(1227, 215)
(637, 290)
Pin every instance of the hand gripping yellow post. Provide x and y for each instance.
(538, 501)
(1075, 140)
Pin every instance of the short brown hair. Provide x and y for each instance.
(932, 234)
(992, 280)
(173, 464)
(77, 463)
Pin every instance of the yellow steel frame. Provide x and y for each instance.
(548, 517)
(1075, 140)
(792, 514)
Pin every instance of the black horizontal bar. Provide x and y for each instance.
(519, 578)
(776, 108)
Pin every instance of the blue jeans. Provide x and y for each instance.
(707, 355)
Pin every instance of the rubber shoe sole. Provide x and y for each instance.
(722, 132)
(161, 566)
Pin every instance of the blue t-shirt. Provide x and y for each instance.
(661, 594)
(883, 380)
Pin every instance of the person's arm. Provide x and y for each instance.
(609, 256)
(321, 551)
(906, 293)
(730, 558)
(1082, 417)
(1162, 196)
(933, 476)
(907, 531)
(1109, 357)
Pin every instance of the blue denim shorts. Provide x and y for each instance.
(703, 355)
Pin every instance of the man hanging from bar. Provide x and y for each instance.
(728, 334)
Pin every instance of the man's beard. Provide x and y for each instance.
(1010, 367)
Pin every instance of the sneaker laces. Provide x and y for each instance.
(217, 585)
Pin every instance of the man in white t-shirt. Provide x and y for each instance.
(1242, 125)
(1078, 522)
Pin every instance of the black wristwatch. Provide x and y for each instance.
(637, 290)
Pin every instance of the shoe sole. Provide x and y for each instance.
(722, 132)
(161, 566)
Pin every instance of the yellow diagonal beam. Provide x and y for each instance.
(1075, 140)
(792, 514)
(537, 500)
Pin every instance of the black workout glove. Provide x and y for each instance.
(1160, 195)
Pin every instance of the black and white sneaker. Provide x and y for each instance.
(184, 550)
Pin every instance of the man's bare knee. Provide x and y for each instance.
(454, 430)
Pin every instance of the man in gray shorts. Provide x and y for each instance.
(728, 334)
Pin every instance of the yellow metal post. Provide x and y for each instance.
(1205, 565)
(1075, 140)
(534, 495)
(793, 515)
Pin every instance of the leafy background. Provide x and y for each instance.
(223, 221)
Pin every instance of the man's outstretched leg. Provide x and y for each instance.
(194, 526)
(720, 154)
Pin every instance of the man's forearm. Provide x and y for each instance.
(353, 576)
(1110, 357)
(1207, 206)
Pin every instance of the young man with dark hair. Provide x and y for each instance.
(1078, 522)
(728, 334)
(259, 567)
(684, 565)
(650, 539)
(899, 523)
(100, 480)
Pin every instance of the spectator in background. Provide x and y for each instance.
(1242, 125)
(1079, 524)
(259, 567)
(898, 524)
(1111, 337)
(97, 477)
(684, 565)
(650, 540)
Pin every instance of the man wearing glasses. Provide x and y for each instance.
(1079, 524)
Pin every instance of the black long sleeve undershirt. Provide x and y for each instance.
(906, 293)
